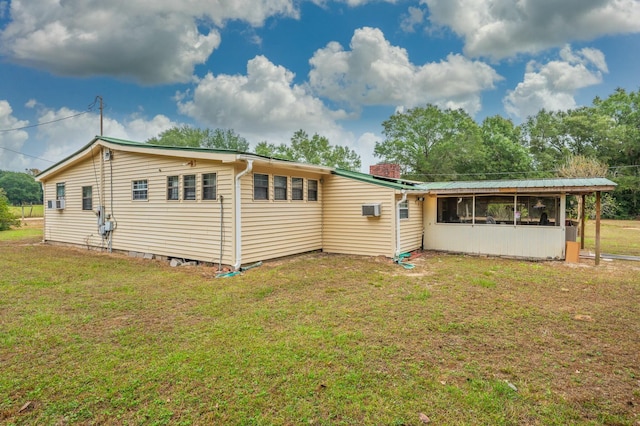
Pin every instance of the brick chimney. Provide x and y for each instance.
(385, 170)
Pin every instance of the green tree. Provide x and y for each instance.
(7, 219)
(433, 144)
(544, 135)
(506, 156)
(20, 188)
(622, 152)
(314, 150)
(203, 138)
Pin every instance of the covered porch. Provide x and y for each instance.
(514, 218)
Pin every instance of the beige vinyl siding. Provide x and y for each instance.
(184, 229)
(72, 224)
(411, 228)
(271, 228)
(346, 230)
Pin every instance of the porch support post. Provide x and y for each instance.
(581, 209)
(597, 228)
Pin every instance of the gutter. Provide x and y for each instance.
(402, 200)
(238, 215)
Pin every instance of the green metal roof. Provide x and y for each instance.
(520, 185)
(378, 180)
(128, 143)
(124, 142)
(455, 187)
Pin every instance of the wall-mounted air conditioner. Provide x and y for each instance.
(371, 210)
(55, 204)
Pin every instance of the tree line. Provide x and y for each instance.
(432, 144)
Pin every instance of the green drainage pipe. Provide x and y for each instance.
(400, 261)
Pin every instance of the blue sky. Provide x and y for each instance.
(267, 68)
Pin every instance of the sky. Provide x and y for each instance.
(267, 68)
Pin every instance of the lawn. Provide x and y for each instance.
(29, 211)
(616, 236)
(92, 338)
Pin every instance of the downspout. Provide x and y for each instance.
(238, 215)
(44, 213)
(402, 200)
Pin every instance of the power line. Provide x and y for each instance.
(45, 122)
(26, 155)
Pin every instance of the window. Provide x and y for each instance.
(260, 187)
(140, 189)
(280, 187)
(87, 198)
(404, 210)
(189, 187)
(209, 186)
(455, 210)
(172, 187)
(60, 191)
(312, 190)
(538, 210)
(495, 210)
(296, 188)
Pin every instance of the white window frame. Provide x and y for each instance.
(193, 189)
(140, 190)
(403, 210)
(173, 189)
(88, 199)
(60, 190)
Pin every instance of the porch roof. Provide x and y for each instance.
(521, 186)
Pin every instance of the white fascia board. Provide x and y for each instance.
(286, 164)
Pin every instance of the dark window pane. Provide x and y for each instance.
(296, 188)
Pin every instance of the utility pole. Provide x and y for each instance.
(101, 109)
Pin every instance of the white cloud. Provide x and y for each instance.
(355, 3)
(146, 40)
(414, 17)
(366, 143)
(552, 86)
(12, 141)
(374, 72)
(503, 28)
(260, 105)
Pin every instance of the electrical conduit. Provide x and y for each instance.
(238, 215)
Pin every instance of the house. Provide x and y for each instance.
(234, 208)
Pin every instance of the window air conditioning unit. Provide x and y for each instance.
(55, 204)
(107, 155)
(371, 210)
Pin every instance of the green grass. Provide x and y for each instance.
(92, 338)
(27, 230)
(616, 236)
(29, 211)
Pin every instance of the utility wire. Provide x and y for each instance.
(27, 155)
(43, 123)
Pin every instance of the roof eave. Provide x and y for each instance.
(577, 190)
(286, 163)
